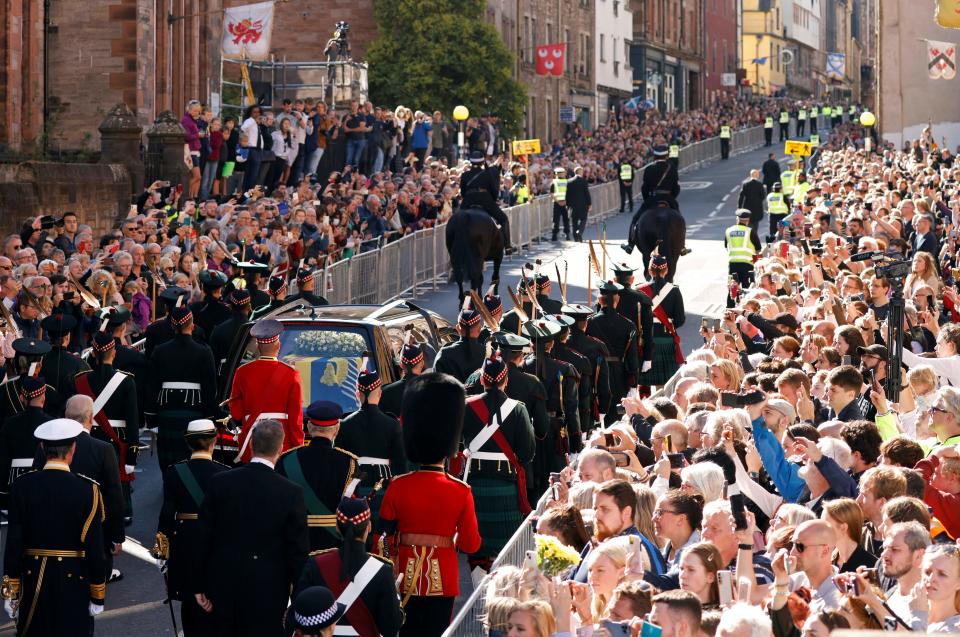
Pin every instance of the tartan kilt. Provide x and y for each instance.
(171, 426)
(498, 514)
(664, 362)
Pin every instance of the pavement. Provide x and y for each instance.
(135, 605)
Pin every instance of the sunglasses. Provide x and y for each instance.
(934, 409)
(800, 546)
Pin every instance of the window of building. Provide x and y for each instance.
(569, 53)
(602, 45)
(526, 40)
(549, 120)
(550, 39)
(668, 92)
(532, 117)
(626, 54)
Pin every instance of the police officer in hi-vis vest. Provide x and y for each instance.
(814, 114)
(801, 120)
(768, 131)
(625, 178)
(784, 123)
(724, 142)
(741, 248)
(776, 209)
(674, 156)
(558, 189)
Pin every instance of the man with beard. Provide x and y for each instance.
(461, 358)
(902, 559)
(668, 315)
(614, 504)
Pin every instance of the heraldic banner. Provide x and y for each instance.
(246, 31)
(835, 66)
(941, 60)
(550, 59)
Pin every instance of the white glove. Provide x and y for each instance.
(95, 609)
(11, 608)
(646, 366)
(162, 565)
(128, 468)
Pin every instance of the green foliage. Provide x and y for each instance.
(436, 54)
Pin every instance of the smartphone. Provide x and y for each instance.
(68, 295)
(725, 584)
(744, 590)
(617, 629)
(609, 440)
(650, 630)
(620, 457)
(704, 324)
(530, 560)
(668, 443)
(846, 360)
(729, 399)
(716, 325)
(677, 460)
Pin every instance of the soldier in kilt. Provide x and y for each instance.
(181, 387)
(668, 315)
(494, 465)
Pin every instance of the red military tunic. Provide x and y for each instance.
(431, 502)
(267, 388)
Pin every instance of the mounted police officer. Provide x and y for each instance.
(363, 582)
(498, 442)
(184, 486)
(479, 188)
(210, 311)
(661, 183)
(325, 472)
(620, 335)
(596, 353)
(374, 438)
(461, 358)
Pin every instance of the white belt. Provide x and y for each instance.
(179, 385)
(21, 463)
(489, 455)
(377, 461)
(346, 631)
(246, 441)
(272, 416)
(116, 424)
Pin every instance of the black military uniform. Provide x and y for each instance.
(375, 439)
(563, 352)
(306, 278)
(120, 412)
(667, 355)
(60, 365)
(128, 359)
(278, 290)
(252, 273)
(181, 386)
(17, 442)
(377, 609)
(560, 381)
(495, 466)
(461, 358)
(162, 331)
(411, 356)
(178, 528)
(223, 334)
(479, 188)
(54, 562)
(210, 311)
(596, 353)
(661, 183)
(637, 308)
(324, 472)
(511, 320)
(28, 352)
(620, 336)
(548, 305)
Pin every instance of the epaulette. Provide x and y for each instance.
(455, 479)
(222, 464)
(344, 451)
(125, 373)
(82, 372)
(402, 475)
(321, 552)
(292, 449)
(87, 478)
(383, 559)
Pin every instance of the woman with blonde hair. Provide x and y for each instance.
(103, 286)
(497, 611)
(698, 573)
(606, 565)
(533, 618)
(846, 519)
(923, 270)
(725, 375)
(643, 517)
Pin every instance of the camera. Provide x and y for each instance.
(47, 222)
(895, 270)
(733, 399)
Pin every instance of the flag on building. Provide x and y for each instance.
(762, 60)
(246, 31)
(948, 14)
(550, 59)
(941, 60)
(835, 66)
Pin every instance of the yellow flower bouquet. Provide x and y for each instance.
(553, 557)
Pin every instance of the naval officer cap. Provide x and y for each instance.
(200, 428)
(267, 331)
(58, 431)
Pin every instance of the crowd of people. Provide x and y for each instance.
(771, 477)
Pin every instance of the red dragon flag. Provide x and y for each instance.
(941, 60)
(550, 59)
(246, 31)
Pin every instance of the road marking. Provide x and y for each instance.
(695, 185)
(725, 197)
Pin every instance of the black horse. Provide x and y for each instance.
(472, 238)
(661, 226)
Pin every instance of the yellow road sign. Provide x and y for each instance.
(526, 147)
(797, 149)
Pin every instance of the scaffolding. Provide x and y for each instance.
(276, 79)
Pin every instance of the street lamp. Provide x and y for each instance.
(867, 120)
(460, 113)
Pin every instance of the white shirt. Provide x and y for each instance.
(948, 369)
(252, 131)
(262, 461)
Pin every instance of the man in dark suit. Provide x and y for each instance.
(252, 544)
(924, 240)
(578, 200)
(771, 172)
(752, 196)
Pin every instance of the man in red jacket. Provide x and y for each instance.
(428, 515)
(267, 388)
(941, 472)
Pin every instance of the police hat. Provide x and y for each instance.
(660, 150)
(743, 213)
(57, 325)
(103, 342)
(351, 511)
(212, 279)
(476, 157)
(324, 413)
(609, 288)
(559, 169)
(172, 293)
(32, 387)
(200, 428)
(314, 609)
(494, 370)
(541, 330)
(267, 331)
(508, 341)
(31, 347)
(239, 298)
(577, 311)
(58, 430)
(777, 186)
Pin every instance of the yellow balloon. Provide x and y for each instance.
(867, 118)
(461, 113)
(948, 13)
